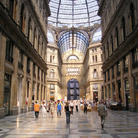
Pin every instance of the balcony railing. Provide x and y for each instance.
(20, 65)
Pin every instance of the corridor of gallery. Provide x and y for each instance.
(119, 124)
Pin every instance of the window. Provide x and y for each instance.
(92, 58)
(123, 28)
(101, 57)
(29, 28)
(11, 6)
(52, 87)
(117, 38)
(72, 71)
(22, 18)
(50, 59)
(135, 57)
(125, 60)
(38, 73)
(9, 51)
(108, 75)
(112, 72)
(118, 68)
(52, 73)
(28, 65)
(132, 16)
(105, 76)
(20, 62)
(42, 75)
(126, 85)
(34, 74)
(112, 43)
(95, 73)
(95, 86)
(95, 58)
(107, 49)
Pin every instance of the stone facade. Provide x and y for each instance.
(23, 42)
(119, 19)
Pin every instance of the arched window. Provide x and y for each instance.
(11, 6)
(52, 73)
(117, 38)
(132, 16)
(50, 59)
(34, 40)
(112, 43)
(95, 73)
(29, 28)
(38, 48)
(107, 49)
(22, 18)
(123, 28)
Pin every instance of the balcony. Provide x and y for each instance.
(20, 65)
(9, 58)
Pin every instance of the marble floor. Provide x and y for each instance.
(119, 124)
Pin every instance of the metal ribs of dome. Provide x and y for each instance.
(73, 13)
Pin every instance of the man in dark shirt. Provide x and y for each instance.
(67, 113)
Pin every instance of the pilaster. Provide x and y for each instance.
(24, 108)
(14, 86)
(131, 83)
(116, 85)
(2, 72)
(30, 108)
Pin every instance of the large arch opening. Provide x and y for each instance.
(73, 90)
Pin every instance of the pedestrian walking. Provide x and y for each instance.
(67, 113)
(36, 109)
(52, 108)
(43, 109)
(102, 111)
(71, 106)
(76, 105)
(59, 107)
(85, 107)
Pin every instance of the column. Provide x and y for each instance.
(39, 97)
(24, 108)
(116, 85)
(122, 84)
(35, 98)
(111, 87)
(131, 83)
(14, 82)
(30, 108)
(2, 72)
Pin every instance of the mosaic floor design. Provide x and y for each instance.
(119, 124)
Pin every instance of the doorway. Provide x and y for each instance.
(7, 93)
(127, 101)
(73, 90)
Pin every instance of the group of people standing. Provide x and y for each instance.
(68, 108)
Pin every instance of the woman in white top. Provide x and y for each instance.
(43, 109)
(71, 106)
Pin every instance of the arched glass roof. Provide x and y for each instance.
(73, 13)
(73, 40)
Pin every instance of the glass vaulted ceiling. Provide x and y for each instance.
(73, 14)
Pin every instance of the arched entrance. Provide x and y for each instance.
(73, 90)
